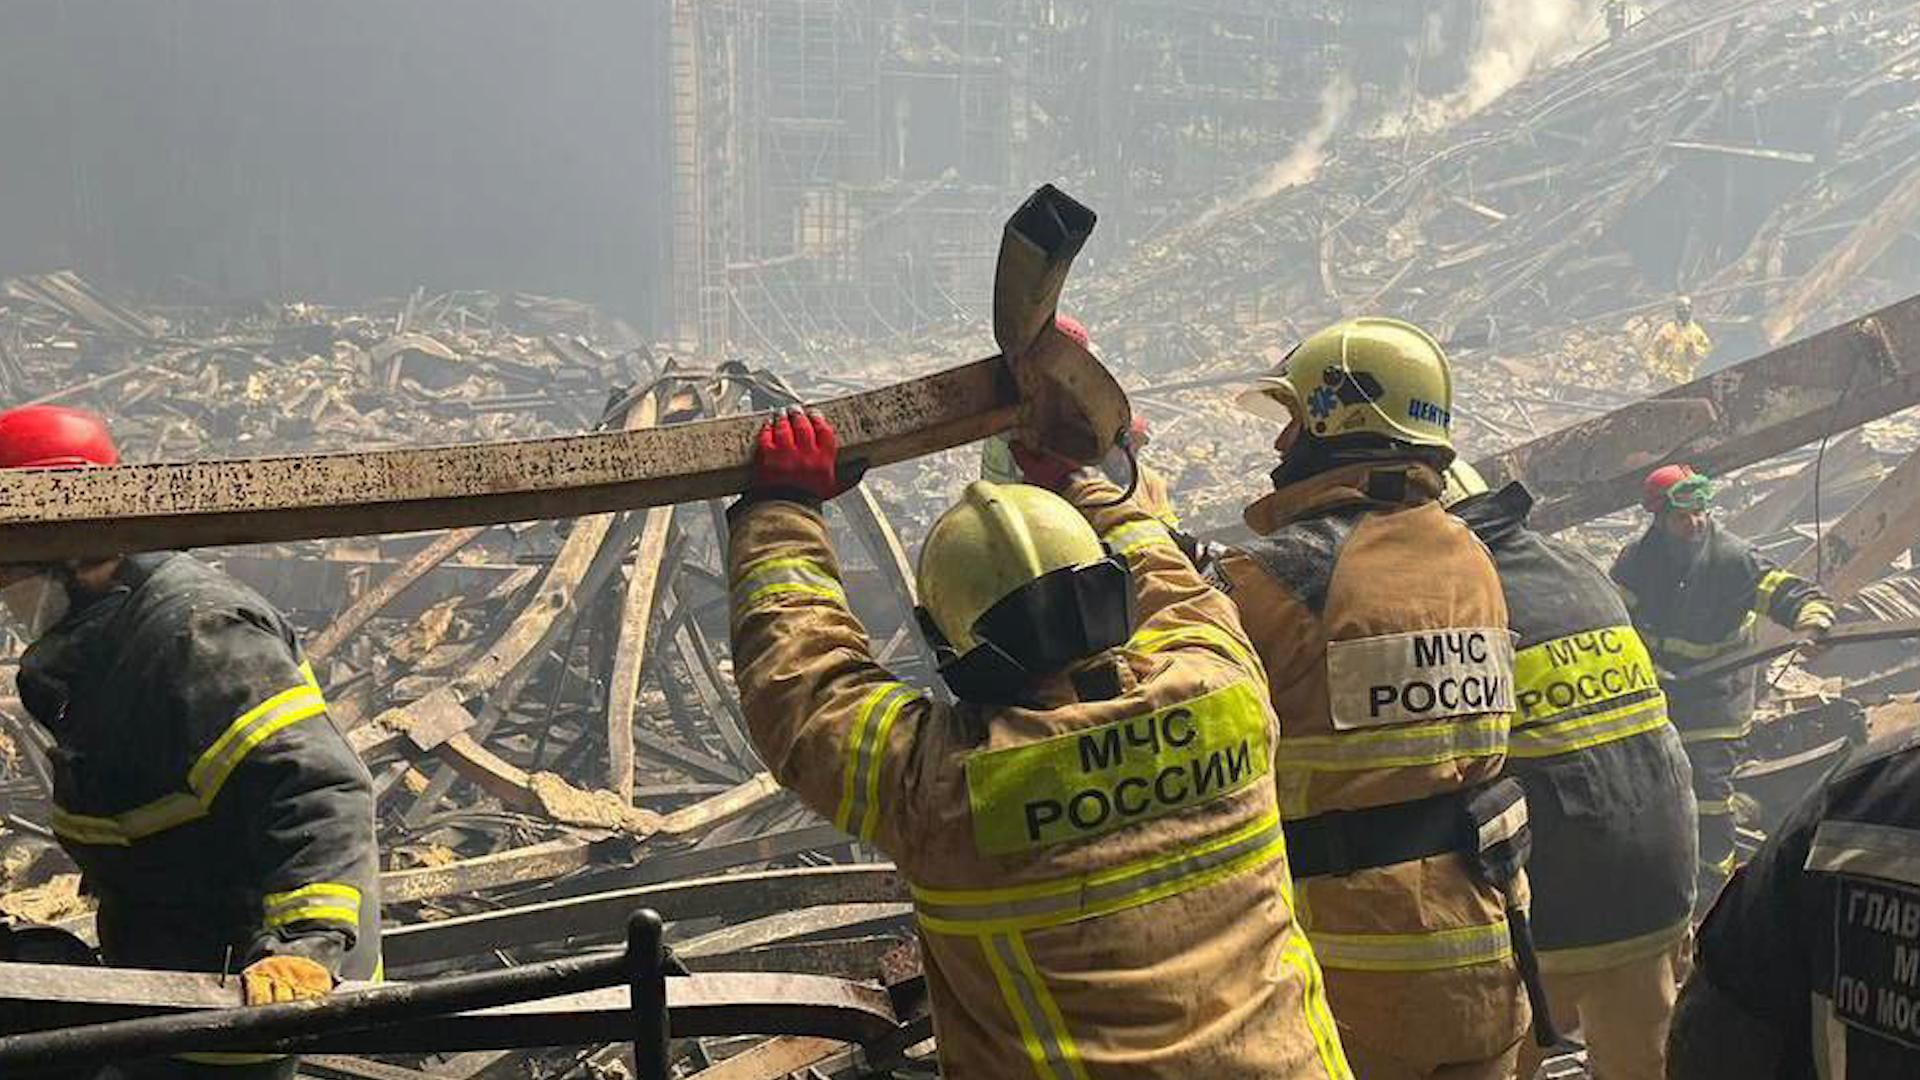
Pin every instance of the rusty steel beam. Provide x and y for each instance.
(602, 914)
(1045, 385)
(1825, 384)
(837, 920)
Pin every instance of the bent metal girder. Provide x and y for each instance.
(1820, 385)
(1042, 383)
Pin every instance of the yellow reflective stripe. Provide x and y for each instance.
(1434, 950)
(1406, 745)
(1612, 954)
(326, 901)
(774, 577)
(1694, 650)
(1763, 592)
(1037, 905)
(1298, 954)
(122, 829)
(1042, 1041)
(205, 779)
(1136, 536)
(253, 727)
(1725, 866)
(1571, 736)
(1814, 607)
(306, 672)
(1148, 642)
(1714, 807)
(860, 783)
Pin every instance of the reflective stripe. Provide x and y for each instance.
(1829, 1040)
(1763, 592)
(1503, 826)
(1296, 953)
(1136, 536)
(1714, 807)
(1588, 958)
(119, 830)
(1434, 950)
(1887, 852)
(775, 577)
(1087, 896)
(1813, 607)
(1407, 745)
(1598, 729)
(1696, 650)
(205, 779)
(326, 901)
(859, 813)
(1049, 1045)
(254, 727)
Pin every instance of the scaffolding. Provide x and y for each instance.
(837, 161)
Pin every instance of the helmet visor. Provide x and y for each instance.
(1693, 494)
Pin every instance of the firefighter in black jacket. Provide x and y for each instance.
(217, 815)
(1809, 963)
(1608, 791)
(1696, 592)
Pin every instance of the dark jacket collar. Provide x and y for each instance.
(1493, 516)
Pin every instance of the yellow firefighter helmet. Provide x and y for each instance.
(1365, 376)
(1462, 481)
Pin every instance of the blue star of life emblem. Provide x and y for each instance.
(1321, 402)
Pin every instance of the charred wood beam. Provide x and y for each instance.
(376, 599)
(1041, 382)
(1860, 546)
(774, 1059)
(603, 914)
(1825, 384)
(535, 862)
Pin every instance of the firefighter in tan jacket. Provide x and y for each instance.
(1090, 834)
(1382, 626)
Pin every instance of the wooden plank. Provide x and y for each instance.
(1864, 542)
(374, 600)
(1845, 261)
(773, 1059)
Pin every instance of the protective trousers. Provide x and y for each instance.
(1713, 763)
(1398, 1025)
(1621, 1014)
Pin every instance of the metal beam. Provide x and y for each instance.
(1828, 383)
(374, 600)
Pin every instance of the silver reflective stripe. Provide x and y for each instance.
(859, 802)
(1051, 1050)
(1504, 827)
(1856, 847)
(1829, 1041)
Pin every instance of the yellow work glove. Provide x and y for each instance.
(286, 978)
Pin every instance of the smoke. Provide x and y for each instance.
(1302, 163)
(1516, 38)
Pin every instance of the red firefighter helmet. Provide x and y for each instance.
(1073, 328)
(1659, 483)
(54, 437)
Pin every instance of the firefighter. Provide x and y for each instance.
(1809, 963)
(1090, 832)
(1696, 592)
(1381, 623)
(1608, 791)
(1679, 345)
(215, 812)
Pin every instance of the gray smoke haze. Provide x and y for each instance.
(1516, 38)
(1302, 163)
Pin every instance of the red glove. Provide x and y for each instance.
(1043, 469)
(798, 451)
